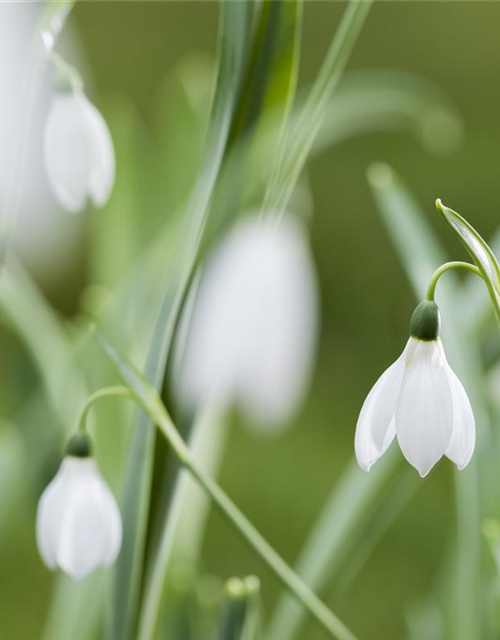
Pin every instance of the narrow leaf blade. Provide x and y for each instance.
(479, 251)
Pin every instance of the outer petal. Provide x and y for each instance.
(50, 512)
(375, 429)
(252, 334)
(102, 155)
(424, 412)
(113, 522)
(463, 439)
(67, 151)
(281, 332)
(91, 527)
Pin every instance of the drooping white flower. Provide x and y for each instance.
(252, 332)
(78, 522)
(421, 401)
(78, 152)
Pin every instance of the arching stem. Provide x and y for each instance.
(105, 392)
(446, 267)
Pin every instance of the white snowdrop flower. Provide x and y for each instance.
(78, 152)
(78, 522)
(253, 323)
(420, 400)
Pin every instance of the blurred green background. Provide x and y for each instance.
(281, 483)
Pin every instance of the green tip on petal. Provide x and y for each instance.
(79, 446)
(425, 322)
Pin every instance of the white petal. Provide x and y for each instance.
(463, 439)
(252, 335)
(281, 331)
(51, 507)
(78, 524)
(113, 524)
(67, 151)
(91, 527)
(424, 412)
(375, 429)
(102, 160)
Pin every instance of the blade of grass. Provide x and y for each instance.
(274, 65)
(235, 26)
(479, 251)
(299, 139)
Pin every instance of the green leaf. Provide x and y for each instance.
(235, 28)
(300, 137)
(479, 251)
(273, 68)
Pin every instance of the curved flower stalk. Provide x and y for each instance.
(419, 400)
(78, 152)
(252, 333)
(78, 522)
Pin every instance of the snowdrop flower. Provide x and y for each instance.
(78, 522)
(251, 333)
(420, 400)
(78, 151)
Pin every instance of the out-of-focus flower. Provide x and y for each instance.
(252, 331)
(78, 522)
(78, 152)
(420, 400)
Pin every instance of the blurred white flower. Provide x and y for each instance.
(78, 152)
(252, 326)
(78, 522)
(420, 400)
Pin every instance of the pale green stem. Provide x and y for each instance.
(105, 392)
(285, 574)
(446, 267)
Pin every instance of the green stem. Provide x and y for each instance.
(285, 574)
(106, 392)
(446, 267)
